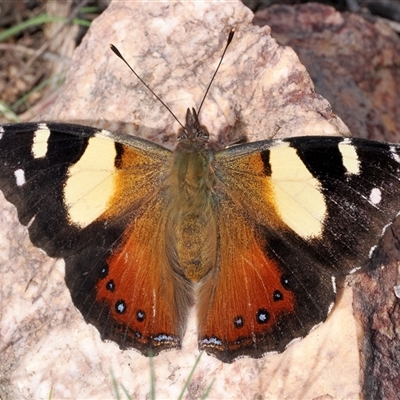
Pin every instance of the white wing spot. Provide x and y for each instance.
(211, 341)
(354, 270)
(375, 196)
(163, 338)
(40, 141)
(387, 226)
(371, 251)
(1, 132)
(395, 156)
(333, 284)
(349, 156)
(20, 177)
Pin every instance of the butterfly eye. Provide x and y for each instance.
(203, 134)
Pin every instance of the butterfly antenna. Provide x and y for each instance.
(228, 42)
(118, 54)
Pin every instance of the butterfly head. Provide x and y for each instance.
(193, 135)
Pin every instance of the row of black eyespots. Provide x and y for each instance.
(263, 315)
(120, 305)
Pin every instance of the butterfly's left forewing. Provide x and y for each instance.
(98, 200)
(293, 215)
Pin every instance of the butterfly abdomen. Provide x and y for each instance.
(191, 230)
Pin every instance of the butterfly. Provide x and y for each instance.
(255, 236)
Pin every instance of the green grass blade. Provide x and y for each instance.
(8, 113)
(34, 21)
(38, 20)
(207, 392)
(126, 392)
(40, 86)
(152, 376)
(190, 377)
(89, 10)
(115, 386)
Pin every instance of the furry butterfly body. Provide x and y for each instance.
(254, 236)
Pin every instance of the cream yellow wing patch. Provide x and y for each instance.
(297, 194)
(274, 185)
(110, 178)
(91, 182)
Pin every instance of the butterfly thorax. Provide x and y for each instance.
(191, 229)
